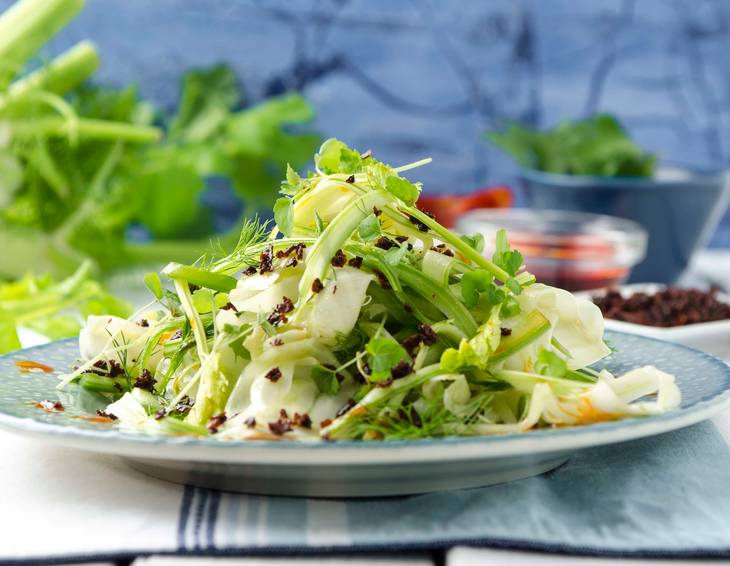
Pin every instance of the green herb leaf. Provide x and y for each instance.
(154, 284)
(474, 282)
(284, 215)
(596, 146)
(475, 240)
(326, 380)
(383, 355)
(327, 159)
(369, 228)
(550, 363)
(402, 189)
(292, 182)
(506, 258)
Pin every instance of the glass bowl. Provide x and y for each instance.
(571, 250)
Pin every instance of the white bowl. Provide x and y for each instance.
(711, 337)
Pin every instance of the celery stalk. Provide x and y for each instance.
(533, 326)
(84, 128)
(334, 237)
(200, 277)
(440, 297)
(61, 75)
(26, 26)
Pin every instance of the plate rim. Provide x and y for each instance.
(454, 448)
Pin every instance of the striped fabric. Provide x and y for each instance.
(668, 496)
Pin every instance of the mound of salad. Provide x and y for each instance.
(357, 316)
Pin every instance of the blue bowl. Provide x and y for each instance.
(679, 209)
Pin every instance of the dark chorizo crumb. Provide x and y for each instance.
(145, 381)
(443, 249)
(183, 407)
(276, 319)
(291, 262)
(296, 249)
(505, 331)
(345, 408)
(143, 322)
(401, 369)
(382, 279)
(385, 243)
(280, 427)
(273, 375)
(279, 315)
(325, 423)
(250, 422)
(408, 308)
(283, 414)
(416, 418)
(412, 343)
(350, 179)
(317, 285)
(355, 262)
(277, 342)
(109, 368)
(420, 225)
(265, 260)
(377, 211)
(216, 422)
(229, 306)
(385, 383)
(401, 239)
(106, 415)
(427, 333)
(339, 259)
(303, 421)
(250, 270)
(666, 308)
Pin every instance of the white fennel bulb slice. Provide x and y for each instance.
(261, 293)
(576, 323)
(335, 308)
(111, 337)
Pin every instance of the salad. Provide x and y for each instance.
(357, 316)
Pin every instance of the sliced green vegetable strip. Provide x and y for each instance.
(334, 237)
(529, 330)
(442, 298)
(201, 277)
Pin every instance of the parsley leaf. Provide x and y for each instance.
(369, 228)
(383, 355)
(326, 380)
(402, 188)
(596, 146)
(284, 215)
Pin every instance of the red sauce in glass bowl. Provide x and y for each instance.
(571, 250)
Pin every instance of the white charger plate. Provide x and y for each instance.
(352, 469)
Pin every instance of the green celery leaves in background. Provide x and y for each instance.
(596, 146)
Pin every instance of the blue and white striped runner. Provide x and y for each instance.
(663, 496)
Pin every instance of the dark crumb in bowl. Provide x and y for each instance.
(669, 307)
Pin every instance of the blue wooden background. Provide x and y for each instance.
(427, 78)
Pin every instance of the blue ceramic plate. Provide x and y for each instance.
(353, 469)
